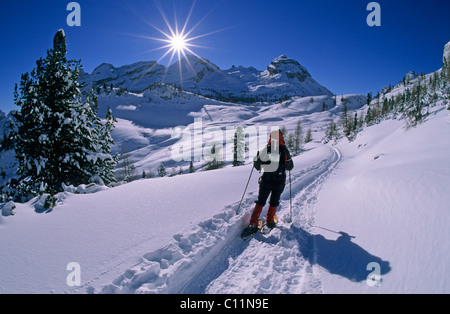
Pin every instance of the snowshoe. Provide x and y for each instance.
(251, 230)
(268, 227)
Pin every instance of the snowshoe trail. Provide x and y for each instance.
(212, 257)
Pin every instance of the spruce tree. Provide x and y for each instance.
(332, 130)
(344, 116)
(290, 142)
(162, 171)
(348, 127)
(361, 120)
(239, 147)
(127, 169)
(103, 162)
(385, 107)
(298, 138)
(308, 136)
(369, 116)
(57, 133)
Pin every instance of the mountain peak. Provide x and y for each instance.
(191, 61)
(105, 66)
(290, 67)
(280, 58)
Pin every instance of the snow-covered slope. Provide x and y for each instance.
(382, 198)
(393, 186)
(151, 145)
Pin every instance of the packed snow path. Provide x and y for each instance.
(213, 259)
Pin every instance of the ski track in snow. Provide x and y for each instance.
(212, 258)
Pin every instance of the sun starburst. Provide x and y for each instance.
(178, 43)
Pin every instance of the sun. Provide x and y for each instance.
(178, 43)
(178, 40)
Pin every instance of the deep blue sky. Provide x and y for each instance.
(330, 38)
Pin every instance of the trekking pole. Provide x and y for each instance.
(290, 195)
(245, 191)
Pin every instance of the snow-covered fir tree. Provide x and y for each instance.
(104, 162)
(58, 136)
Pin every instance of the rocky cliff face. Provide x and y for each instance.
(289, 67)
(447, 53)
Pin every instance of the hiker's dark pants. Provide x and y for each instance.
(274, 189)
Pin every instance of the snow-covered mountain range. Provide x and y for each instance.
(136, 91)
(284, 77)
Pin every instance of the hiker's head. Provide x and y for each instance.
(277, 137)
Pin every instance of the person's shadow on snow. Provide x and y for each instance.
(341, 256)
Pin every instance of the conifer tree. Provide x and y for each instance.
(361, 120)
(369, 116)
(238, 147)
(162, 171)
(57, 134)
(290, 142)
(298, 138)
(127, 169)
(344, 116)
(308, 136)
(104, 162)
(332, 131)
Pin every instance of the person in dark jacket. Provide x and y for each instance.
(273, 160)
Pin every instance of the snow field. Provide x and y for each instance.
(392, 194)
(382, 198)
(212, 258)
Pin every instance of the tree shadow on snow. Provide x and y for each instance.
(341, 257)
